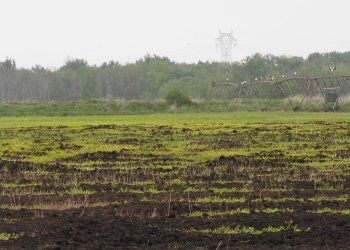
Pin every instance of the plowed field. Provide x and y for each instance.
(176, 185)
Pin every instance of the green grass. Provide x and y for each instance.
(250, 230)
(329, 210)
(8, 236)
(182, 119)
(73, 108)
(98, 107)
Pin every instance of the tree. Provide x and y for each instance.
(8, 63)
(153, 77)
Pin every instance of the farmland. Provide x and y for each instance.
(212, 181)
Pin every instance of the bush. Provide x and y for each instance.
(177, 97)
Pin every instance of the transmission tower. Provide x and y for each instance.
(225, 41)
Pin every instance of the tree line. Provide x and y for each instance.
(152, 77)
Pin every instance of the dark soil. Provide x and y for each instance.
(104, 228)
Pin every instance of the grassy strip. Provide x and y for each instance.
(173, 119)
(95, 107)
(239, 211)
(250, 230)
(329, 210)
(8, 236)
(232, 200)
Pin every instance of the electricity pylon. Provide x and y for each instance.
(225, 41)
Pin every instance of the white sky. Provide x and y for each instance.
(47, 32)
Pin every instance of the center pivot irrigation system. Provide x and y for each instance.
(294, 89)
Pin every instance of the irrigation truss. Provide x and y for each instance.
(287, 88)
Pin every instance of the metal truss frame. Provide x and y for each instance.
(286, 88)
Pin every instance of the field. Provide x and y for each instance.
(176, 181)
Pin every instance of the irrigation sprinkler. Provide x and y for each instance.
(330, 88)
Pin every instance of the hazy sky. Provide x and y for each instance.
(48, 32)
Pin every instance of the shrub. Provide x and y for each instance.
(177, 97)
